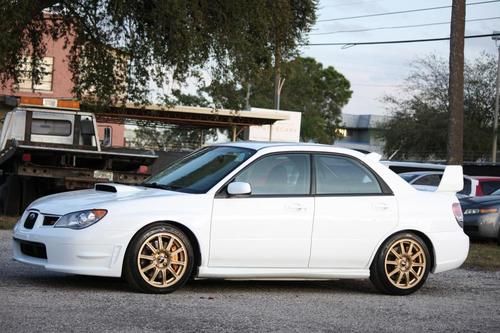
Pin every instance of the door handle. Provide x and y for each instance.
(296, 206)
(381, 206)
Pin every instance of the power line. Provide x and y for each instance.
(350, 3)
(402, 11)
(350, 44)
(399, 26)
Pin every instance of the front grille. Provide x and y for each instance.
(33, 249)
(30, 220)
(471, 228)
(50, 219)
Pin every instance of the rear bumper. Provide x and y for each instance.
(450, 250)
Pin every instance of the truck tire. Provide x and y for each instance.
(11, 196)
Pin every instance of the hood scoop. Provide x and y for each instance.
(115, 188)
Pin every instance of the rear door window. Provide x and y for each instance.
(342, 175)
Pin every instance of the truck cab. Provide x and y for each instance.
(53, 127)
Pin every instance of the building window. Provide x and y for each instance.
(45, 84)
(106, 140)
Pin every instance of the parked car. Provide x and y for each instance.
(482, 216)
(487, 185)
(429, 181)
(253, 210)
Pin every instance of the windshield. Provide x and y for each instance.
(201, 170)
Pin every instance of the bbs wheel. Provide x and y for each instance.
(159, 259)
(401, 265)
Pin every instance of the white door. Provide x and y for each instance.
(271, 227)
(353, 211)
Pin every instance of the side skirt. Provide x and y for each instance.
(282, 273)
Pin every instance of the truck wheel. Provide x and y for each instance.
(159, 259)
(3, 195)
(11, 196)
(401, 265)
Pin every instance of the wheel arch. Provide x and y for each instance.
(190, 235)
(420, 234)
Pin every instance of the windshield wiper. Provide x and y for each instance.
(161, 186)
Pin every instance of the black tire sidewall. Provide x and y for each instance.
(131, 271)
(377, 269)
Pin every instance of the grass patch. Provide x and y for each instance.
(483, 255)
(7, 222)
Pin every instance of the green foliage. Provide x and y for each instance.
(418, 128)
(123, 47)
(318, 92)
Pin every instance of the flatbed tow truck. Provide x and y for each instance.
(49, 145)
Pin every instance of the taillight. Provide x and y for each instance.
(457, 211)
(143, 170)
(26, 157)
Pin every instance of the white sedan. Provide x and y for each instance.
(253, 211)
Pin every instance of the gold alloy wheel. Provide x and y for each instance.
(162, 260)
(405, 263)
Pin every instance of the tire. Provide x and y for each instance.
(11, 196)
(159, 260)
(401, 265)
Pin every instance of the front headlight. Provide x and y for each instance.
(81, 219)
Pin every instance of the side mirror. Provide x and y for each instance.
(239, 188)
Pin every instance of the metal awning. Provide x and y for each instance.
(187, 115)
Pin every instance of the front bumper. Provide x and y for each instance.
(482, 226)
(88, 251)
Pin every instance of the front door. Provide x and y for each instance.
(271, 227)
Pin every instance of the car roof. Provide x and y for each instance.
(486, 178)
(259, 145)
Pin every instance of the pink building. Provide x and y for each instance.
(56, 83)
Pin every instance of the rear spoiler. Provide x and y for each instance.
(452, 180)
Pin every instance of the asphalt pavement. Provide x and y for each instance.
(35, 300)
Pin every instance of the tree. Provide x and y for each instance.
(158, 40)
(419, 125)
(318, 92)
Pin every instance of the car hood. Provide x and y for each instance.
(480, 201)
(98, 197)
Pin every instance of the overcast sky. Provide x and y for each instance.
(376, 70)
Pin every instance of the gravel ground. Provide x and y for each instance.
(35, 300)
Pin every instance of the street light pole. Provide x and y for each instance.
(496, 38)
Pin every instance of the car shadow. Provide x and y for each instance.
(250, 286)
(205, 286)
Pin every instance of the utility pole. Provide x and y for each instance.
(496, 38)
(456, 84)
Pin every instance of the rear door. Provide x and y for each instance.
(354, 210)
